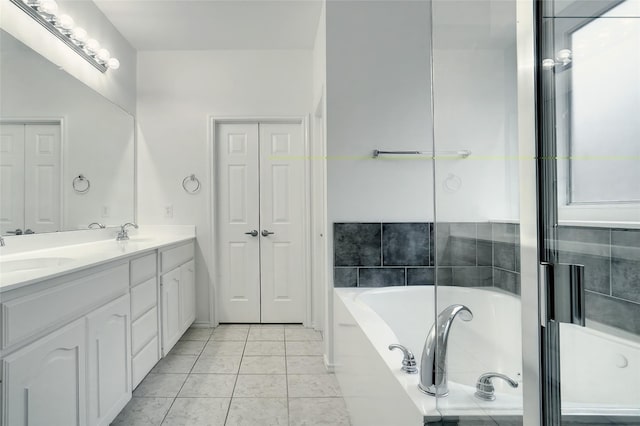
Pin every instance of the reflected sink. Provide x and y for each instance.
(32, 264)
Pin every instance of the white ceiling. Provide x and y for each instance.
(214, 24)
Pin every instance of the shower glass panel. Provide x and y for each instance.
(477, 229)
(589, 98)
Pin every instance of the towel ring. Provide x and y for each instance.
(77, 181)
(191, 178)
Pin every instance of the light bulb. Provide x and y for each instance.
(92, 45)
(103, 55)
(548, 64)
(50, 7)
(79, 34)
(564, 56)
(65, 21)
(113, 64)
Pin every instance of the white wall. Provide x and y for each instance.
(178, 93)
(378, 98)
(119, 86)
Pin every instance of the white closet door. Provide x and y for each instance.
(42, 178)
(281, 212)
(11, 177)
(238, 214)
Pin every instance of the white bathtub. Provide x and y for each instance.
(600, 373)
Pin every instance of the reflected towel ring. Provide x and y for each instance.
(78, 181)
(191, 178)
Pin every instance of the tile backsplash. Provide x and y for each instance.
(488, 255)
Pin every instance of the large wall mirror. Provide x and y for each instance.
(66, 152)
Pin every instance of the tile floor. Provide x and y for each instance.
(240, 375)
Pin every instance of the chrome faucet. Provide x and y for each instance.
(485, 389)
(98, 224)
(123, 235)
(433, 365)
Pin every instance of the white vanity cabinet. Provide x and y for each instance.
(65, 348)
(109, 363)
(178, 293)
(45, 382)
(145, 338)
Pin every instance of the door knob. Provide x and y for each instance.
(266, 233)
(253, 233)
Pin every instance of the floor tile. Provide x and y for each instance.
(215, 348)
(196, 333)
(188, 347)
(293, 326)
(223, 326)
(257, 411)
(318, 411)
(279, 326)
(264, 348)
(261, 386)
(197, 412)
(263, 365)
(230, 333)
(306, 365)
(217, 365)
(313, 385)
(175, 364)
(160, 385)
(304, 348)
(208, 386)
(302, 334)
(266, 333)
(143, 412)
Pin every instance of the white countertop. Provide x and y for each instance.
(83, 255)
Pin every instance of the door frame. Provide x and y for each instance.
(214, 275)
(55, 121)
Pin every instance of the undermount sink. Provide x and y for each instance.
(31, 264)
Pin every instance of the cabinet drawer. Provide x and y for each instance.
(143, 362)
(143, 268)
(143, 330)
(175, 257)
(143, 298)
(27, 316)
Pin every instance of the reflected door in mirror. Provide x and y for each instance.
(30, 164)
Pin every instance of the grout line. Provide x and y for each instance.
(226, 417)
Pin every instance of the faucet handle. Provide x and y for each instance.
(409, 361)
(485, 389)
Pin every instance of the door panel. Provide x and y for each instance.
(42, 178)
(11, 177)
(239, 213)
(188, 294)
(46, 382)
(282, 202)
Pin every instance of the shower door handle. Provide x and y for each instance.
(563, 293)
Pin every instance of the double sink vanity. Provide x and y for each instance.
(84, 320)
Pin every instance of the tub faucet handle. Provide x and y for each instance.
(485, 389)
(409, 361)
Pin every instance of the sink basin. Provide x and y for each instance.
(32, 264)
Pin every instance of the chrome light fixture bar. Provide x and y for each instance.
(45, 12)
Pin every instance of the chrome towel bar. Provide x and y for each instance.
(462, 153)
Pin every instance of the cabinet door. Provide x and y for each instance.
(171, 324)
(188, 294)
(109, 363)
(45, 382)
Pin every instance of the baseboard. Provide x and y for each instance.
(329, 366)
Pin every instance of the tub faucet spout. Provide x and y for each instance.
(433, 365)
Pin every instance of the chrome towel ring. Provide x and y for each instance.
(81, 184)
(191, 184)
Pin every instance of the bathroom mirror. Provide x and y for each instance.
(597, 74)
(66, 152)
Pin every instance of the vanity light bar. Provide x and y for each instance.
(45, 12)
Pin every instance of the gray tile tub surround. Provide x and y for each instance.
(357, 244)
